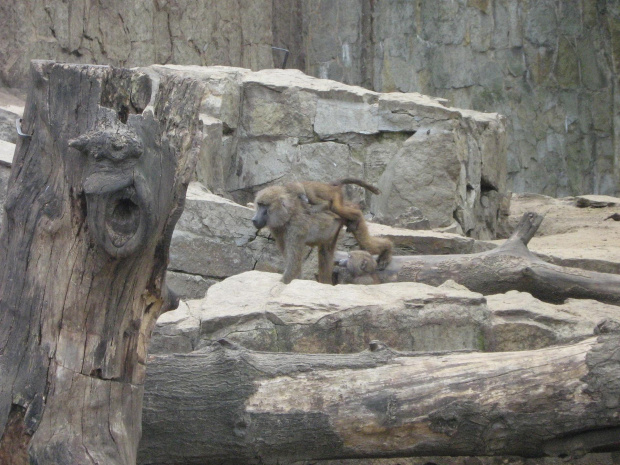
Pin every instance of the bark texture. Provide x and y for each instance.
(509, 267)
(93, 198)
(229, 405)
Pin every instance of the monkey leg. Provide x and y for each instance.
(375, 245)
(349, 212)
(292, 263)
(385, 256)
(294, 246)
(326, 260)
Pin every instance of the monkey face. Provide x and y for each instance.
(273, 206)
(259, 220)
(359, 262)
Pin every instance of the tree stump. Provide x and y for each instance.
(94, 196)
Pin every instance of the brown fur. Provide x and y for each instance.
(293, 224)
(325, 196)
(359, 268)
(15, 439)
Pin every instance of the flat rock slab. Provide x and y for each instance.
(257, 311)
(522, 322)
(422, 242)
(7, 150)
(596, 201)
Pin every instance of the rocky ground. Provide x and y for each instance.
(577, 231)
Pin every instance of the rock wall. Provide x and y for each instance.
(550, 66)
(134, 33)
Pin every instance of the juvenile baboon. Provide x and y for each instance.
(358, 268)
(329, 196)
(293, 224)
(324, 196)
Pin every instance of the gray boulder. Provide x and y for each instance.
(257, 311)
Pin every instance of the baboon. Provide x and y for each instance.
(293, 224)
(324, 196)
(329, 196)
(358, 268)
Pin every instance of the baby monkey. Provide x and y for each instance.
(358, 268)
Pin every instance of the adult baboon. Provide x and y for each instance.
(324, 196)
(358, 268)
(293, 224)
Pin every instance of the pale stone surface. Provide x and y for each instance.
(522, 322)
(7, 150)
(420, 242)
(257, 311)
(210, 242)
(176, 332)
(569, 235)
(431, 162)
(597, 201)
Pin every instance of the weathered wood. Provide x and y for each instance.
(509, 267)
(93, 199)
(230, 405)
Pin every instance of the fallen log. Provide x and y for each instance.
(510, 266)
(97, 185)
(229, 405)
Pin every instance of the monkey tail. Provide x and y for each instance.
(358, 182)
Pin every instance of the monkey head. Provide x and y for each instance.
(274, 206)
(359, 263)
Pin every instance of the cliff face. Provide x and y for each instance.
(550, 66)
(134, 33)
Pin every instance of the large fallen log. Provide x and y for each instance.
(229, 405)
(511, 266)
(97, 185)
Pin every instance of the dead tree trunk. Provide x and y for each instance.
(94, 195)
(509, 267)
(229, 405)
